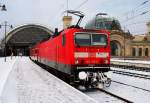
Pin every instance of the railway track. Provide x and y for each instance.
(145, 69)
(131, 86)
(144, 76)
(118, 98)
(114, 95)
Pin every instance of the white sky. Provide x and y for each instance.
(50, 12)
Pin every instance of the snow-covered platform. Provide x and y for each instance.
(5, 69)
(26, 82)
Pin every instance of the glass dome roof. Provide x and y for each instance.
(103, 21)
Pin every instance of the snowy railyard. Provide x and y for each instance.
(134, 89)
(22, 81)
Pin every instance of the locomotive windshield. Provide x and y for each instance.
(83, 39)
(99, 39)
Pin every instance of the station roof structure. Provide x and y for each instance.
(27, 35)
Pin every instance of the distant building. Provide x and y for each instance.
(148, 25)
(123, 44)
(141, 44)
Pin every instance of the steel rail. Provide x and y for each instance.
(131, 85)
(131, 74)
(114, 95)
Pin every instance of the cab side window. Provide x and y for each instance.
(63, 39)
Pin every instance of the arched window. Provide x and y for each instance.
(145, 38)
(146, 51)
(133, 52)
(140, 51)
(114, 48)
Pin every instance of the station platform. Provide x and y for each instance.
(5, 69)
(26, 82)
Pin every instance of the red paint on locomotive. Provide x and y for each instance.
(66, 54)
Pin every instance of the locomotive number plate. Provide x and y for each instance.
(104, 55)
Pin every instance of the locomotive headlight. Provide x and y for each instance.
(106, 61)
(76, 61)
(82, 75)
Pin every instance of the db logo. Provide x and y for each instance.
(92, 54)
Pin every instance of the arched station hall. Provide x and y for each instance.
(19, 40)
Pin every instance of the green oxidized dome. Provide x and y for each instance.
(103, 22)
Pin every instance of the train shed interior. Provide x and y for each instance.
(19, 40)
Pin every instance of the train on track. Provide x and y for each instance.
(82, 56)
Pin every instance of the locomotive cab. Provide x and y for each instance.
(91, 56)
(92, 49)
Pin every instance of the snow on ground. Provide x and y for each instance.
(22, 81)
(28, 83)
(135, 81)
(131, 93)
(5, 68)
(102, 97)
(131, 71)
(131, 61)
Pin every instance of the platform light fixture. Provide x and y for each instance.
(5, 25)
(3, 7)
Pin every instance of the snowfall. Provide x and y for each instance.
(22, 81)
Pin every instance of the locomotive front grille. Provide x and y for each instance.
(90, 67)
(102, 68)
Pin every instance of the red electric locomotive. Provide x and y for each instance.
(80, 54)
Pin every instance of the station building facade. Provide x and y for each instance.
(132, 46)
(123, 44)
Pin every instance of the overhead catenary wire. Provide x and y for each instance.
(67, 7)
(140, 14)
(60, 8)
(139, 29)
(135, 16)
(145, 2)
(135, 23)
(84, 2)
(132, 13)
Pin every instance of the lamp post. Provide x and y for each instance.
(5, 27)
(3, 8)
(124, 41)
(124, 46)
